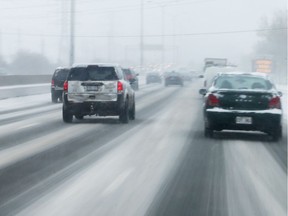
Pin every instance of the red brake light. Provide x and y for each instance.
(65, 86)
(212, 100)
(275, 103)
(119, 87)
(52, 82)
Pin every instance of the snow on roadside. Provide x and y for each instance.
(24, 101)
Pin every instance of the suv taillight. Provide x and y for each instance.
(65, 86)
(275, 103)
(119, 87)
(212, 100)
(52, 83)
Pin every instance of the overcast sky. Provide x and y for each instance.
(194, 29)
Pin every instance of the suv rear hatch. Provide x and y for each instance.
(92, 83)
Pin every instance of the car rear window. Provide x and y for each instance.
(127, 72)
(94, 73)
(242, 82)
(61, 74)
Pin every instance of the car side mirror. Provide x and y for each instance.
(203, 91)
(280, 93)
(137, 74)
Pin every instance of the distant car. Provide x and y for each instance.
(57, 82)
(243, 101)
(186, 76)
(132, 77)
(98, 89)
(153, 77)
(173, 78)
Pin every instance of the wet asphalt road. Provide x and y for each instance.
(159, 164)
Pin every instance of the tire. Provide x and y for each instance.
(132, 112)
(79, 117)
(276, 134)
(124, 115)
(66, 115)
(208, 132)
(54, 99)
(61, 98)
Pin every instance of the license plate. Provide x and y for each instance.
(58, 88)
(92, 88)
(243, 120)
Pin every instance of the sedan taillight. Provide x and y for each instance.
(65, 86)
(212, 100)
(275, 103)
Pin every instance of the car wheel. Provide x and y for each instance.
(208, 132)
(54, 99)
(66, 115)
(79, 117)
(132, 112)
(124, 115)
(276, 134)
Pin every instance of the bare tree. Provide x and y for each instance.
(273, 41)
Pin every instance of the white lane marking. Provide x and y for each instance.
(24, 86)
(27, 126)
(117, 182)
(20, 152)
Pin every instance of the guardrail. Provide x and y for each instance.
(7, 80)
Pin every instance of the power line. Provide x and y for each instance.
(149, 36)
(109, 10)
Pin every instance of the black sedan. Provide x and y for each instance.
(173, 78)
(243, 101)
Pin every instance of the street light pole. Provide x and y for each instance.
(72, 32)
(141, 35)
(163, 38)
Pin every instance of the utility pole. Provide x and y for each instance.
(141, 35)
(163, 38)
(72, 31)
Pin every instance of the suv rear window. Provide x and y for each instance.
(61, 74)
(93, 73)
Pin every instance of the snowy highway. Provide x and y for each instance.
(159, 164)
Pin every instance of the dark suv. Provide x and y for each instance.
(132, 77)
(98, 89)
(57, 82)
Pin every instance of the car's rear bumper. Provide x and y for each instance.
(57, 92)
(153, 80)
(173, 82)
(262, 120)
(101, 108)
